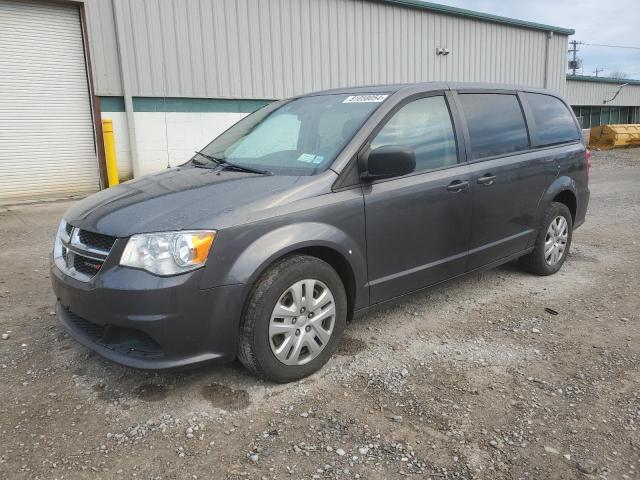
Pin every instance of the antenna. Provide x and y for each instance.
(575, 63)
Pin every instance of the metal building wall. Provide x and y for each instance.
(103, 47)
(580, 92)
(264, 49)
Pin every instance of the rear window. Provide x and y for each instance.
(495, 122)
(553, 121)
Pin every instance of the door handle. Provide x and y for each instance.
(486, 180)
(458, 186)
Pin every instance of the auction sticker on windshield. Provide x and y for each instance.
(310, 158)
(365, 98)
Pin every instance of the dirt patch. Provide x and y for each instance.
(226, 398)
(350, 346)
(98, 387)
(151, 392)
(581, 257)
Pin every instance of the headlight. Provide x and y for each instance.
(168, 253)
(57, 243)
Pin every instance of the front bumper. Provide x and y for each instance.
(143, 321)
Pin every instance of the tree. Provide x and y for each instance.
(618, 74)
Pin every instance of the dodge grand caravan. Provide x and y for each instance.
(312, 210)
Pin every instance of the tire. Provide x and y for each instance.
(259, 343)
(537, 262)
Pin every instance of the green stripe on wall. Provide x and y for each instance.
(111, 104)
(160, 104)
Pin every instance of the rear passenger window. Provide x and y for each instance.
(425, 126)
(495, 122)
(553, 122)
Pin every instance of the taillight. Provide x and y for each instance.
(587, 157)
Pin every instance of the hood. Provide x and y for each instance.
(191, 198)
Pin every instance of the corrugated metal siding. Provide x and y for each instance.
(102, 42)
(558, 64)
(47, 142)
(278, 48)
(594, 93)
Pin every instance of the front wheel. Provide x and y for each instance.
(552, 243)
(294, 319)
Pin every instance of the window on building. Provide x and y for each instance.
(553, 121)
(584, 117)
(594, 116)
(615, 115)
(585, 113)
(425, 126)
(577, 111)
(495, 122)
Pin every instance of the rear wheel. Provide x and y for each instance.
(552, 243)
(294, 319)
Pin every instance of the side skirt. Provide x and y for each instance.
(399, 298)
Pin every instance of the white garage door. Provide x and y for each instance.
(47, 145)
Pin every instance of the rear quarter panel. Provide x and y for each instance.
(567, 172)
(566, 166)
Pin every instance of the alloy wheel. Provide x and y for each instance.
(556, 240)
(302, 322)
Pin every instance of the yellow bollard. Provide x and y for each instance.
(110, 152)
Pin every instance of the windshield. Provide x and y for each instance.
(297, 137)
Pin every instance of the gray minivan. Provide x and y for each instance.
(315, 209)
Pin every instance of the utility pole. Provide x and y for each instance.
(598, 70)
(574, 63)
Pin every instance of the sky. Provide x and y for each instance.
(595, 21)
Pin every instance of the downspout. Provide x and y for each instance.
(547, 68)
(125, 79)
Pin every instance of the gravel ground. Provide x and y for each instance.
(475, 379)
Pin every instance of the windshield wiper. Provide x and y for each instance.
(229, 165)
(217, 161)
(241, 168)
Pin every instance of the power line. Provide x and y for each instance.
(611, 46)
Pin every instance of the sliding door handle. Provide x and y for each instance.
(486, 179)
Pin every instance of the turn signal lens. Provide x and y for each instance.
(192, 249)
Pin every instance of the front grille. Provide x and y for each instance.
(96, 240)
(91, 329)
(83, 253)
(86, 265)
(128, 341)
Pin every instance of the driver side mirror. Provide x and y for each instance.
(386, 162)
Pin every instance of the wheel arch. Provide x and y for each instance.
(343, 253)
(563, 189)
(340, 264)
(328, 254)
(568, 198)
